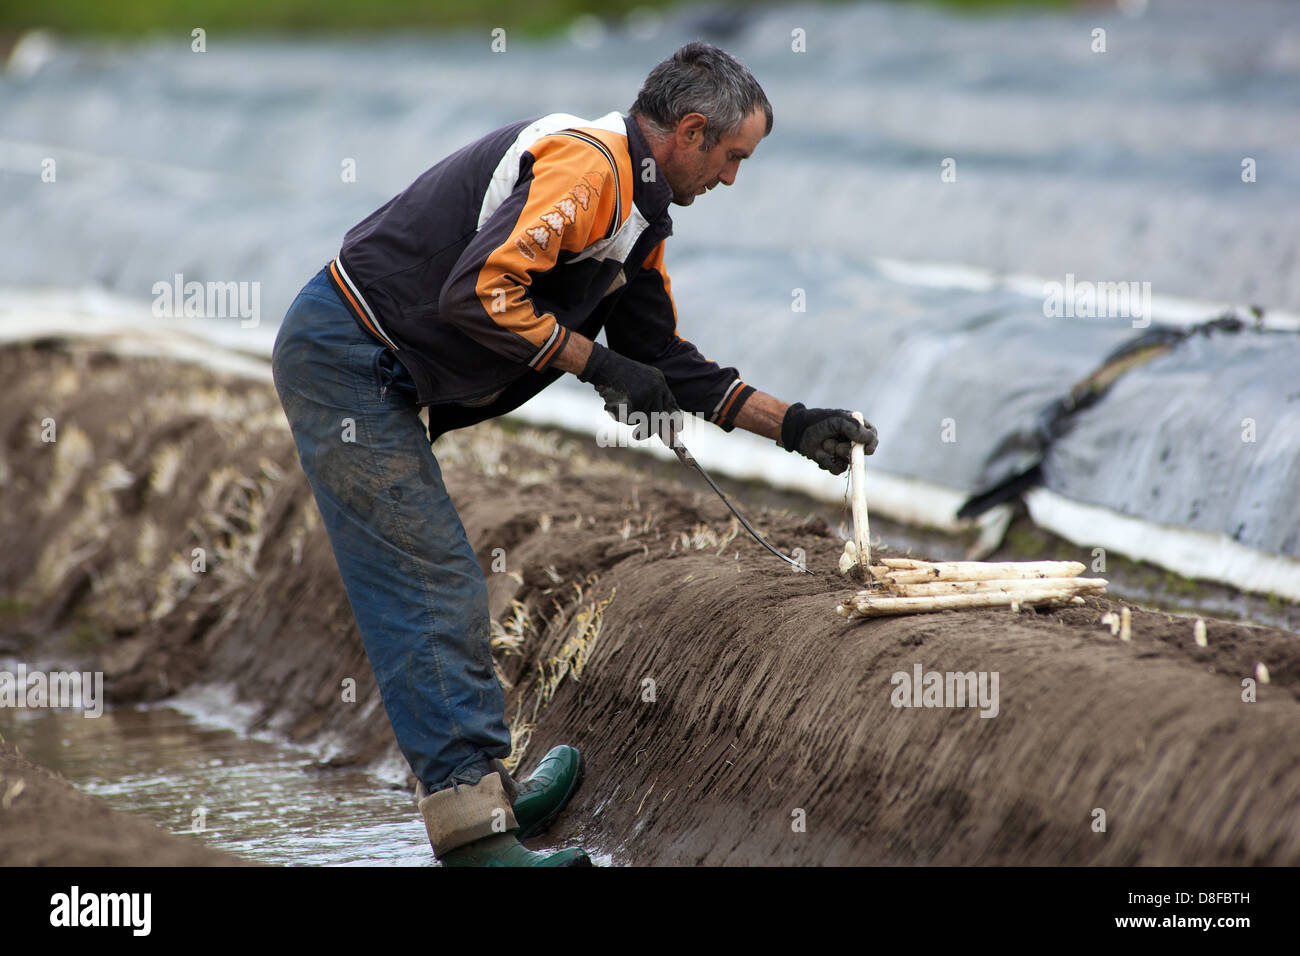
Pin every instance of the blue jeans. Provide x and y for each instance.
(416, 589)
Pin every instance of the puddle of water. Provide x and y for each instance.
(252, 797)
(249, 797)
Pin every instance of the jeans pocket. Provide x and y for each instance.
(395, 382)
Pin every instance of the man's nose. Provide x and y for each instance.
(728, 174)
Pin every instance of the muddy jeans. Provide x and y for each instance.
(416, 589)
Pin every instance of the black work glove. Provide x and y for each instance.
(628, 387)
(826, 435)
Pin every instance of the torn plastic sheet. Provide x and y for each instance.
(1205, 437)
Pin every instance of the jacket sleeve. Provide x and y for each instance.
(562, 203)
(643, 326)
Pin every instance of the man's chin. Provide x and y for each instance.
(679, 200)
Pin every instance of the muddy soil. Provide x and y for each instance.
(727, 714)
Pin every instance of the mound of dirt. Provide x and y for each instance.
(727, 714)
(44, 821)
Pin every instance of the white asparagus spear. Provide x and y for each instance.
(874, 606)
(869, 599)
(926, 588)
(848, 560)
(861, 524)
(979, 571)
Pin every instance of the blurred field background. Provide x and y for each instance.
(1164, 157)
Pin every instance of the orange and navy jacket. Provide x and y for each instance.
(478, 272)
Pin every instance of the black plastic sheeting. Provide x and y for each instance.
(1205, 436)
(1191, 427)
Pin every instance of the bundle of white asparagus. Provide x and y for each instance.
(908, 586)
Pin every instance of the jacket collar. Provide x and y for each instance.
(653, 197)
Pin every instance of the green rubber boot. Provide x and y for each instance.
(546, 792)
(475, 825)
(505, 850)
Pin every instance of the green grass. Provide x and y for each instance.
(294, 16)
(137, 17)
(1028, 542)
(1181, 586)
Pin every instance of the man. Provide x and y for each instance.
(475, 288)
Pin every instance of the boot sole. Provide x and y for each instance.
(544, 824)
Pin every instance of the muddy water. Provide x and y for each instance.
(250, 797)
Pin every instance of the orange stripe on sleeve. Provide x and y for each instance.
(736, 392)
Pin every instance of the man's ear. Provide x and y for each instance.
(690, 130)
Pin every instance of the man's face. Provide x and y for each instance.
(691, 171)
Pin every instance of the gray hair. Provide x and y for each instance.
(701, 78)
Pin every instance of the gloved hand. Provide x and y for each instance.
(628, 386)
(825, 435)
